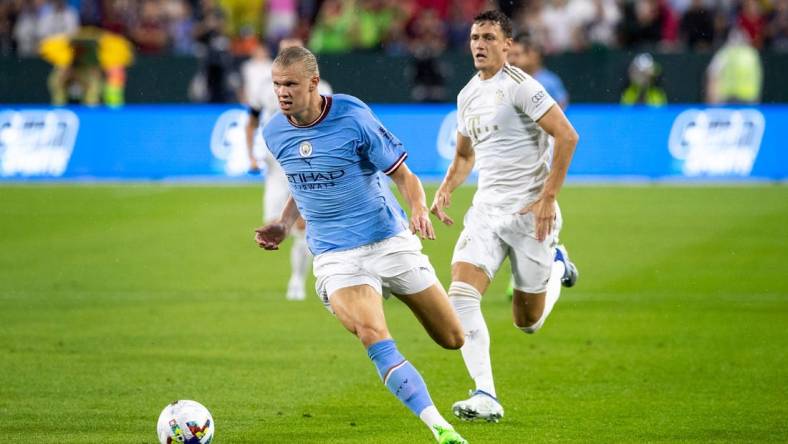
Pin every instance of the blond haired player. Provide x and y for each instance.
(263, 104)
(504, 120)
(333, 150)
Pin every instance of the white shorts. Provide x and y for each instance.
(487, 239)
(394, 265)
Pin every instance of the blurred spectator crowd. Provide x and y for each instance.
(192, 27)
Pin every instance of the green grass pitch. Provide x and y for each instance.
(117, 299)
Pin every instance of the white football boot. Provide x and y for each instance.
(481, 405)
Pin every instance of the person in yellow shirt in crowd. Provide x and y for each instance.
(94, 60)
(643, 83)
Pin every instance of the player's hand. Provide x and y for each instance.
(442, 200)
(544, 215)
(270, 236)
(420, 224)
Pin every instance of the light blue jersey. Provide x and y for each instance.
(553, 85)
(332, 168)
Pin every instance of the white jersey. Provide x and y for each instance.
(513, 153)
(257, 82)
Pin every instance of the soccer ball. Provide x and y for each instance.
(187, 422)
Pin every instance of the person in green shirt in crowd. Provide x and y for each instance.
(331, 33)
(344, 25)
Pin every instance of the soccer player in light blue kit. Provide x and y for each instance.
(332, 150)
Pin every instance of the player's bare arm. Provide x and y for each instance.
(251, 126)
(460, 168)
(555, 123)
(411, 189)
(271, 235)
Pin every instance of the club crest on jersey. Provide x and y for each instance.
(305, 149)
(498, 97)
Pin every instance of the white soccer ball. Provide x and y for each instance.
(187, 422)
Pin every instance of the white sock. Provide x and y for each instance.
(432, 417)
(551, 297)
(476, 351)
(553, 288)
(300, 257)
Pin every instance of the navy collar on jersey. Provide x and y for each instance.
(326, 106)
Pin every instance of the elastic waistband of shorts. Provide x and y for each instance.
(385, 241)
(367, 247)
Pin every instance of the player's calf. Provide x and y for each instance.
(433, 309)
(528, 311)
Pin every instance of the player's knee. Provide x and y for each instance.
(370, 334)
(453, 340)
(464, 297)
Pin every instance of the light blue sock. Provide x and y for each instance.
(400, 376)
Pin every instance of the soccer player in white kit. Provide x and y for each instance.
(263, 104)
(504, 120)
